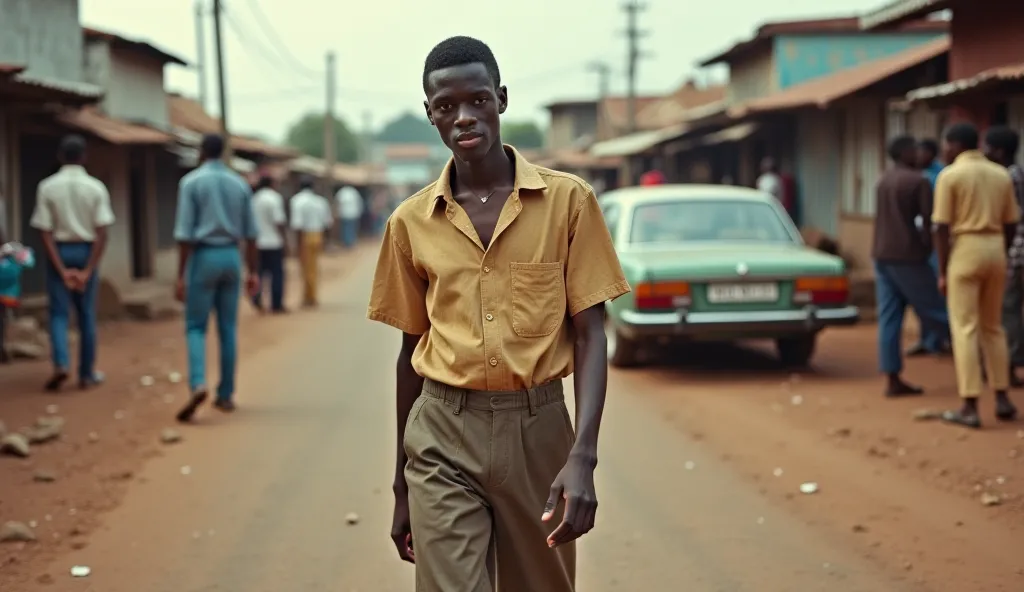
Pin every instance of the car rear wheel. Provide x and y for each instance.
(622, 352)
(796, 352)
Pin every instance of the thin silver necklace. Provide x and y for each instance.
(487, 197)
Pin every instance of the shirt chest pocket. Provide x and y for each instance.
(538, 298)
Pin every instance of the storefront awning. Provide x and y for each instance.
(1005, 77)
(734, 133)
(113, 130)
(820, 92)
(635, 143)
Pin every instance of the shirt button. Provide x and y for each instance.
(494, 361)
(489, 317)
(487, 270)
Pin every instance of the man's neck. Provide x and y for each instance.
(495, 169)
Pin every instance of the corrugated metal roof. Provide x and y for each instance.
(112, 130)
(352, 174)
(68, 88)
(11, 69)
(673, 108)
(978, 82)
(822, 91)
(578, 159)
(635, 143)
(188, 114)
(900, 11)
(142, 47)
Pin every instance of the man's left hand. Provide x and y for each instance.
(575, 484)
(252, 285)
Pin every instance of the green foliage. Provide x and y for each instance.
(526, 135)
(307, 136)
(408, 128)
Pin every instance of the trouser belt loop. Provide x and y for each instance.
(460, 400)
(531, 399)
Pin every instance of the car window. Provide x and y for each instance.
(707, 220)
(612, 215)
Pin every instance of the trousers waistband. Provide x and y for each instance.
(463, 398)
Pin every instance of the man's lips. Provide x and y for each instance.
(469, 140)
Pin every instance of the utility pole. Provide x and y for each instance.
(329, 142)
(633, 35)
(222, 93)
(603, 72)
(201, 52)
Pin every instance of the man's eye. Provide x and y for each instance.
(481, 100)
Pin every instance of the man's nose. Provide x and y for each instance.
(465, 118)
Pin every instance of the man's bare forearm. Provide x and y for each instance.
(941, 236)
(184, 252)
(98, 248)
(591, 380)
(51, 251)
(252, 256)
(409, 385)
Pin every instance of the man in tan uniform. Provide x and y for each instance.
(974, 218)
(497, 274)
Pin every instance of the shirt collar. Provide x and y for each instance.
(72, 168)
(527, 178)
(969, 155)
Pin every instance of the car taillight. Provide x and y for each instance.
(661, 295)
(821, 290)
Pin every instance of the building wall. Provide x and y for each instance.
(136, 89)
(753, 76)
(109, 163)
(7, 187)
(97, 64)
(569, 124)
(818, 170)
(984, 39)
(863, 161)
(799, 58)
(44, 35)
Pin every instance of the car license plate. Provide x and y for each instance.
(733, 293)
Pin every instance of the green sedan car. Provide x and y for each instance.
(717, 263)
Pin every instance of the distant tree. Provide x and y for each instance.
(408, 128)
(307, 136)
(522, 134)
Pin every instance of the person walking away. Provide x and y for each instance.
(929, 343)
(975, 220)
(497, 275)
(72, 213)
(271, 225)
(1001, 147)
(770, 181)
(214, 221)
(900, 251)
(350, 211)
(310, 218)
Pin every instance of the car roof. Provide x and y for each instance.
(669, 193)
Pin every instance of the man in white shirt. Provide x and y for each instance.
(271, 224)
(770, 181)
(310, 218)
(350, 211)
(73, 213)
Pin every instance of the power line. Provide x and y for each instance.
(282, 49)
(251, 43)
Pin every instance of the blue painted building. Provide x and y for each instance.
(800, 58)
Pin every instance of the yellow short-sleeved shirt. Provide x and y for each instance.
(496, 318)
(974, 195)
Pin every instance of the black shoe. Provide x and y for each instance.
(225, 405)
(197, 399)
(56, 381)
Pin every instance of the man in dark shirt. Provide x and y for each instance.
(901, 251)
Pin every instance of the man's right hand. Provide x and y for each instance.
(401, 528)
(179, 290)
(71, 278)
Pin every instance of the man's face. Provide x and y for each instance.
(465, 107)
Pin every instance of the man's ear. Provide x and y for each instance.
(426, 107)
(502, 99)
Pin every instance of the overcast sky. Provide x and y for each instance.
(542, 47)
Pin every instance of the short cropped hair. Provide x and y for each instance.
(900, 145)
(930, 145)
(964, 134)
(212, 146)
(458, 51)
(1005, 139)
(72, 149)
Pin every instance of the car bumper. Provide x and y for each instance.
(774, 323)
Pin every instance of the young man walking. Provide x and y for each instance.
(311, 218)
(1001, 147)
(497, 275)
(73, 213)
(903, 276)
(350, 212)
(271, 225)
(214, 223)
(975, 220)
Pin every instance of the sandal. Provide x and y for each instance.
(958, 418)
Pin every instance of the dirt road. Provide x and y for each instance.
(698, 481)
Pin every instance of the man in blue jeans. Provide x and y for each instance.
(901, 251)
(72, 213)
(214, 219)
